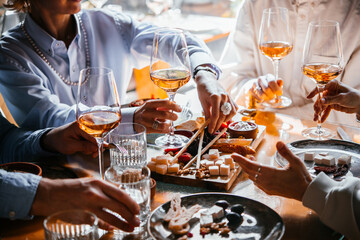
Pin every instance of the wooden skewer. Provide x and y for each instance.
(205, 148)
(175, 158)
(199, 150)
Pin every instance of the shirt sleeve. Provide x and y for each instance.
(336, 203)
(17, 193)
(19, 145)
(238, 58)
(35, 107)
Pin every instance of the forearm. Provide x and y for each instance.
(337, 203)
(18, 191)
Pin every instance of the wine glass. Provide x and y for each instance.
(322, 62)
(98, 105)
(98, 3)
(276, 42)
(170, 70)
(159, 6)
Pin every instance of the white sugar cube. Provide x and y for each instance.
(216, 212)
(161, 169)
(344, 159)
(206, 219)
(323, 154)
(206, 156)
(214, 170)
(318, 159)
(219, 162)
(224, 170)
(228, 160)
(173, 168)
(328, 160)
(309, 156)
(209, 164)
(152, 166)
(203, 162)
(213, 154)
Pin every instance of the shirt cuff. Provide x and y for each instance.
(315, 195)
(36, 146)
(127, 115)
(17, 193)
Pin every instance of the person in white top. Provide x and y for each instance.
(242, 61)
(336, 203)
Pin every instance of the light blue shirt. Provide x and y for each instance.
(17, 193)
(19, 145)
(38, 98)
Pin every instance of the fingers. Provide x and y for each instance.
(276, 87)
(337, 99)
(114, 221)
(162, 104)
(249, 166)
(287, 154)
(215, 101)
(326, 113)
(121, 196)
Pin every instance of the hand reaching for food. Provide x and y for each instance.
(266, 88)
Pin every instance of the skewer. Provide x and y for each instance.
(199, 150)
(175, 158)
(205, 148)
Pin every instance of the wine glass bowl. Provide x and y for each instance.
(276, 42)
(170, 70)
(322, 62)
(97, 105)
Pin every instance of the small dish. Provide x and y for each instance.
(22, 167)
(247, 130)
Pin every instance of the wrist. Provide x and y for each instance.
(45, 141)
(209, 68)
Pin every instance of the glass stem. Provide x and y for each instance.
(171, 96)
(276, 73)
(99, 142)
(319, 88)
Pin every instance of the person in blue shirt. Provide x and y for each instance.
(41, 58)
(23, 195)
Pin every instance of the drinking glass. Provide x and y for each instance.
(159, 6)
(170, 70)
(130, 145)
(71, 224)
(98, 3)
(98, 105)
(276, 42)
(322, 62)
(136, 183)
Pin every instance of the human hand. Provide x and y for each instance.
(291, 181)
(212, 96)
(157, 111)
(69, 139)
(337, 96)
(266, 88)
(88, 194)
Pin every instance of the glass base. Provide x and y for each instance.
(314, 133)
(281, 102)
(169, 141)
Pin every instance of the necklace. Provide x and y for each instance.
(38, 51)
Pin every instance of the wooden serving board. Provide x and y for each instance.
(214, 182)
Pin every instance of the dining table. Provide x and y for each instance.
(300, 222)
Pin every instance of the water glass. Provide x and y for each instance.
(136, 183)
(130, 145)
(71, 224)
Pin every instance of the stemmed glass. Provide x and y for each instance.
(322, 62)
(159, 6)
(276, 42)
(98, 105)
(170, 70)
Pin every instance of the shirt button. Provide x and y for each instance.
(12, 215)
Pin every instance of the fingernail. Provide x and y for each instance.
(322, 100)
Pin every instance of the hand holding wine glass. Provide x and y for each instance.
(170, 70)
(98, 105)
(275, 42)
(322, 62)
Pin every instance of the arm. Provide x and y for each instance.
(337, 203)
(17, 144)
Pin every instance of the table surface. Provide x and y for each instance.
(300, 222)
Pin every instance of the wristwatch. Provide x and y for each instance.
(205, 68)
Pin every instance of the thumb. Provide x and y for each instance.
(287, 154)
